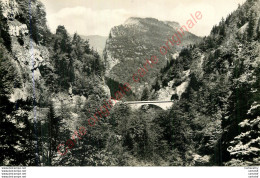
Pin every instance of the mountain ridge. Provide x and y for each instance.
(131, 43)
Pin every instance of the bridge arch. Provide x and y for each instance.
(138, 104)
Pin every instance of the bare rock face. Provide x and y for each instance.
(28, 54)
(28, 57)
(110, 62)
(16, 30)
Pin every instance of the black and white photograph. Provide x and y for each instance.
(130, 83)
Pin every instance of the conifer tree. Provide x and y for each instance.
(53, 125)
(251, 26)
(258, 31)
(145, 95)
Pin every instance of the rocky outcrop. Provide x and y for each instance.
(18, 29)
(166, 93)
(27, 56)
(10, 9)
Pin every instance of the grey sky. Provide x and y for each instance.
(97, 17)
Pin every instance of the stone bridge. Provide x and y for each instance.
(137, 104)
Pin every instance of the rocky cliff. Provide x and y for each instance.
(130, 44)
(41, 73)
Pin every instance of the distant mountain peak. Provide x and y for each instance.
(138, 21)
(172, 24)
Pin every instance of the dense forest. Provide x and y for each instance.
(220, 106)
(51, 83)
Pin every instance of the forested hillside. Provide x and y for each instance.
(45, 77)
(219, 110)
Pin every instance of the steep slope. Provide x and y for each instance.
(45, 79)
(220, 103)
(138, 39)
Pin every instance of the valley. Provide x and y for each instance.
(74, 100)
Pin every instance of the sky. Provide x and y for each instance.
(97, 17)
